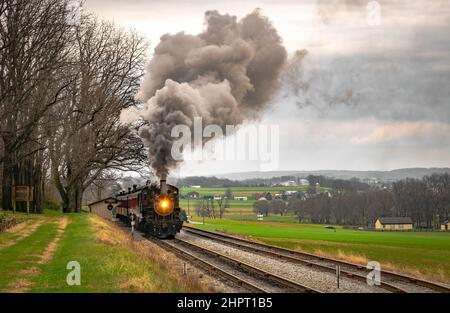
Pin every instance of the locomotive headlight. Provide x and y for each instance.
(164, 207)
(164, 203)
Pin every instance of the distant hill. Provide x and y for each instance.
(342, 174)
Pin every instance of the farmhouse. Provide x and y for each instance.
(101, 207)
(241, 198)
(193, 194)
(445, 226)
(303, 182)
(393, 223)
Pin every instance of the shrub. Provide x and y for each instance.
(51, 205)
(6, 222)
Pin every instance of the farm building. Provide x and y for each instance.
(241, 198)
(193, 194)
(303, 182)
(101, 207)
(289, 183)
(445, 226)
(394, 223)
(317, 188)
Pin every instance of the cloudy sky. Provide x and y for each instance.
(368, 92)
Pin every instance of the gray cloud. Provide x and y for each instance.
(377, 79)
(397, 71)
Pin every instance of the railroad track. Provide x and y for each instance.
(243, 274)
(391, 281)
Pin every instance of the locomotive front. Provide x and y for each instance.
(164, 220)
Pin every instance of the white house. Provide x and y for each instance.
(303, 182)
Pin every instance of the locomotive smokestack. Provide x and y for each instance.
(163, 187)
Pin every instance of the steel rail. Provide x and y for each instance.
(211, 268)
(279, 280)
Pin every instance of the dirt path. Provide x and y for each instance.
(25, 229)
(51, 247)
(24, 283)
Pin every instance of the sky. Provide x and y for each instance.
(370, 89)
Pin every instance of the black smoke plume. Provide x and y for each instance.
(225, 75)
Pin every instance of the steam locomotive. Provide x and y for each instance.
(154, 209)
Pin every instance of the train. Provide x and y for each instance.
(154, 209)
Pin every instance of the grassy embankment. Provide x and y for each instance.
(35, 253)
(423, 254)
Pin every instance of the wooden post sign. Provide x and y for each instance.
(23, 194)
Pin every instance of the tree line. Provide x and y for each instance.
(353, 184)
(426, 201)
(211, 208)
(324, 181)
(64, 80)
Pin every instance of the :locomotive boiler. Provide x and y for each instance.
(154, 209)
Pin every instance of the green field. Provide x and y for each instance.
(423, 254)
(238, 209)
(35, 260)
(242, 191)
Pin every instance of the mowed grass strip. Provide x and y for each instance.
(422, 254)
(14, 233)
(107, 265)
(27, 224)
(17, 259)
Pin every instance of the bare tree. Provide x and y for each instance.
(277, 207)
(34, 40)
(261, 207)
(90, 138)
(223, 205)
